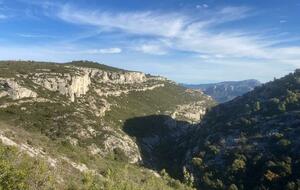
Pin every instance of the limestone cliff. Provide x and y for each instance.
(77, 84)
(15, 91)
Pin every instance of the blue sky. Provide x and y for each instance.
(190, 41)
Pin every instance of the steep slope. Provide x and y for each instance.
(226, 91)
(75, 115)
(252, 142)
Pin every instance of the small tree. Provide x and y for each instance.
(238, 164)
(282, 107)
(256, 106)
(188, 178)
(270, 176)
(197, 161)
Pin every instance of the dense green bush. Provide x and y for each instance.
(20, 172)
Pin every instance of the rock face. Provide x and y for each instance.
(226, 91)
(121, 78)
(15, 91)
(192, 113)
(123, 143)
(66, 84)
(112, 140)
(77, 84)
(106, 93)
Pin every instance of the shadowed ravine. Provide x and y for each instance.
(159, 138)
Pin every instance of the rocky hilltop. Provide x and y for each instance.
(226, 91)
(76, 115)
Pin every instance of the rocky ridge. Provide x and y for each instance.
(226, 91)
(74, 85)
(89, 93)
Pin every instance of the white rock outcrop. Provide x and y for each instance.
(14, 90)
(70, 85)
(2, 94)
(112, 139)
(192, 113)
(101, 92)
(31, 151)
(120, 77)
(77, 84)
(124, 143)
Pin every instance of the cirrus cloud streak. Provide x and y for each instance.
(196, 33)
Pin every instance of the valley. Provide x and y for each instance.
(225, 91)
(149, 95)
(83, 125)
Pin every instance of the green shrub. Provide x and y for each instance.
(238, 165)
(197, 161)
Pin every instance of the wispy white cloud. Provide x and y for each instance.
(154, 49)
(283, 21)
(186, 32)
(195, 33)
(54, 53)
(83, 51)
(104, 51)
(169, 24)
(25, 35)
(143, 23)
(205, 6)
(2, 16)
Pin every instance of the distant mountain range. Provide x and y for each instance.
(225, 91)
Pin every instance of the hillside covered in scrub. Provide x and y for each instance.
(72, 126)
(83, 125)
(252, 142)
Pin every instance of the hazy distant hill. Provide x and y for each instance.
(226, 91)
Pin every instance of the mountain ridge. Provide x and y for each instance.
(73, 118)
(227, 90)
